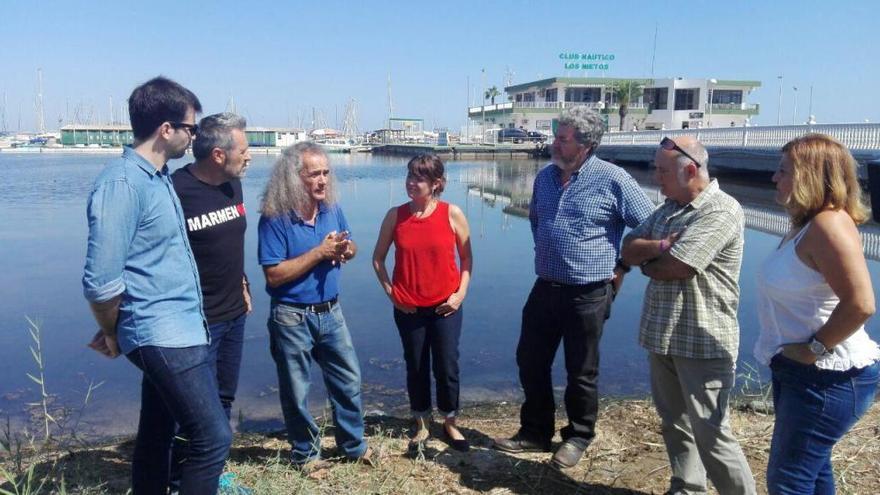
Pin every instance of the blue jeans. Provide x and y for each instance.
(224, 357)
(430, 341)
(178, 388)
(814, 409)
(296, 336)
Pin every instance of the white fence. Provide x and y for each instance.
(853, 136)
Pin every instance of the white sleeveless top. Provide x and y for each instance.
(794, 301)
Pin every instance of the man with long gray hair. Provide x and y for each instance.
(580, 206)
(691, 248)
(303, 242)
(210, 194)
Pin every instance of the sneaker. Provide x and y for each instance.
(518, 444)
(567, 455)
(229, 486)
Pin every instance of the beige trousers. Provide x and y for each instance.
(692, 396)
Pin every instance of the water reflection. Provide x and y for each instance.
(44, 236)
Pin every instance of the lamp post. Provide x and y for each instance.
(810, 113)
(779, 107)
(794, 113)
(709, 85)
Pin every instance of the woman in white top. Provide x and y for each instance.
(815, 295)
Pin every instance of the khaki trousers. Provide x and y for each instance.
(692, 396)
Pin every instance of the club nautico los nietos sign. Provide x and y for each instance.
(586, 61)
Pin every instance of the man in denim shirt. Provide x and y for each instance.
(303, 240)
(143, 287)
(579, 209)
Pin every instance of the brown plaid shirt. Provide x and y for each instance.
(696, 317)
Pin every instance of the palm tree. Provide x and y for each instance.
(491, 93)
(625, 92)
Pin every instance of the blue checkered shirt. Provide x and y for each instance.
(577, 229)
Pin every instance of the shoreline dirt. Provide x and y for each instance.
(627, 457)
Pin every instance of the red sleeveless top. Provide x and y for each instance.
(425, 271)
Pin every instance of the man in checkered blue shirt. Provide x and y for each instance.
(691, 248)
(580, 207)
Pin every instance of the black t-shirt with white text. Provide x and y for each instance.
(215, 224)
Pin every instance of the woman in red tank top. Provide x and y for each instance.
(427, 290)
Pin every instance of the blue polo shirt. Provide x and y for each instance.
(138, 248)
(285, 237)
(578, 228)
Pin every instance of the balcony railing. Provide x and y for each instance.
(853, 136)
(558, 105)
(753, 107)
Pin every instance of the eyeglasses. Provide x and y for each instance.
(193, 129)
(669, 145)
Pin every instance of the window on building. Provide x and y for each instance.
(583, 95)
(551, 94)
(528, 96)
(730, 96)
(519, 97)
(610, 99)
(687, 99)
(656, 98)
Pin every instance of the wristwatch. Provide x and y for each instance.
(818, 348)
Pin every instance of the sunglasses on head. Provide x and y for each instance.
(669, 145)
(193, 129)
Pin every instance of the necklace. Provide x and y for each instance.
(429, 208)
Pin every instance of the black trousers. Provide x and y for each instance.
(430, 341)
(574, 315)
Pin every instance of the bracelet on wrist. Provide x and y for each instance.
(622, 266)
(664, 245)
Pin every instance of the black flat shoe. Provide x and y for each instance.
(460, 445)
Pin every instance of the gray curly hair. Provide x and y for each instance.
(587, 124)
(285, 191)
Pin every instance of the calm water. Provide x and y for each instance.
(43, 238)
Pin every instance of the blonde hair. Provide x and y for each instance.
(824, 177)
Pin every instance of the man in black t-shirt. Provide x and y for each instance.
(210, 194)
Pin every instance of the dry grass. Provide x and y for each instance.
(627, 457)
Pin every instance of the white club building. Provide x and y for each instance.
(662, 104)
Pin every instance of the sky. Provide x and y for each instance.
(284, 62)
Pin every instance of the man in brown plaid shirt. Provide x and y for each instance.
(691, 249)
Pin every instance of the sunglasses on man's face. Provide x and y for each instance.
(193, 129)
(669, 145)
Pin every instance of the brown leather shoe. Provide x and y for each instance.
(367, 459)
(567, 455)
(518, 444)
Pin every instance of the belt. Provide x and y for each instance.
(589, 286)
(322, 307)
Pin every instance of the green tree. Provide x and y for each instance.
(491, 93)
(625, 92)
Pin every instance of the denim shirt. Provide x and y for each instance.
(138, 248)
